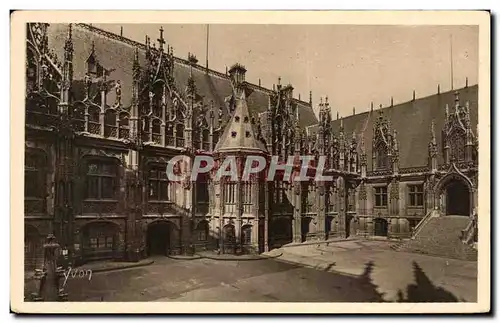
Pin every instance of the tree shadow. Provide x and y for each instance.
(423, 290)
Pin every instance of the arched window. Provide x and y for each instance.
(169, 132)
(78, 116)
(206, 139)
(382, 157)
(229, 236)
(110, 129)
(246, 235)
(146, 131)
(457, 145)
(157, 131)
(94, 122)
(202, 231)
(179, 135)
(124, 130)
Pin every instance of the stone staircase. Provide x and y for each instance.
(441, 236)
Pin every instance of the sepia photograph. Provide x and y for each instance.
(304, 161)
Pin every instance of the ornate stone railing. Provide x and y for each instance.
(469, 233)
(423, 222)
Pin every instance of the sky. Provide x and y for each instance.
(353, 65)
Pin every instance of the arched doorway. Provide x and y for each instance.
(305, 227)
(158, 238)
(228, 239)
(380, 227)
(281, 231)
(457, 198)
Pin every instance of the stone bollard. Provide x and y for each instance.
(50, 276)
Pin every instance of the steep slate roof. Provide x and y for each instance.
(412, 121)
(116, 53)
(239, 134)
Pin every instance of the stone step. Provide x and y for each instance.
(441, 236)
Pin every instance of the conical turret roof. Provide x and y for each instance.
(239, 134)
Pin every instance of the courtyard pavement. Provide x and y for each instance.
(349, 271)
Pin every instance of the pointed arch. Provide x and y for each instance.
(110, 123)
(123, 125)
(94, 126)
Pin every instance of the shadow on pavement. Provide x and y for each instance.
(423, 290)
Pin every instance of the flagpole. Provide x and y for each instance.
(451, 60)
(206, 54)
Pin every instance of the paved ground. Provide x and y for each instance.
(350, 271)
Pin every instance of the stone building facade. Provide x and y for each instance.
(105, 114)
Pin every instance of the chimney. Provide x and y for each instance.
(288, 91)
(237, 74)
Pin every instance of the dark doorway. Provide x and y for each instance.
(228, 239)
(380, 227)
(305, 227)
(457, 198)
(328, 227)
(159, 238)
(281, 231)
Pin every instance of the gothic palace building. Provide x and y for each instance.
(104, 114)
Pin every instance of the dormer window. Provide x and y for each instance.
(92, 65)
(382, 157)
(245, 120)
(247, 134)
(237, 119)
(233, 134)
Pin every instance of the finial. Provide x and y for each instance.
(466, 81)
(92, 47)
(320, 100)
(310, 97)
(353, 110)
(371, 106)
(392, 101)
(413, 95)
(337, 115)
(161, 41)
(274, 87)
(70, 31)
(121, 31)
(259, 82)
(279, 80)
(380, 106)
(439, 89)
(226, 70)
(299, 93)
(326, 100)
